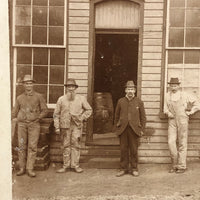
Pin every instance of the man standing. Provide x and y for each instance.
(178, 106)
(130, 120)
(30, 108)
(70, 112)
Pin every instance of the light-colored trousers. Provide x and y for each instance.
(28, 137)
(71, 146)
(177, 141)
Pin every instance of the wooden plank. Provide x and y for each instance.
(78, 47)
(78, 62)
(80, 27)
(152, 49)
(151, 77)
(153, 13)
(152, 105)
(150, 42)
(153, 6)
(82, 90)
(77, 34)
(78, 40)
(149, 20)
(78, 20)
(157, 125)
(78, 76)
(79, 6)
(82, 83)
(152, 56)
(153, 35)
(78, 55)
(154, 118)
(79, 13)
(75, 69)
(153, 27)
(152, 63)
(80, 1)
(150, 91)
(149, 70)
(150, 84)
(156, 1)
(152, 98)
(154, 111)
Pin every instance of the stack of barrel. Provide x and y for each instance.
(103, 112)
(43, 158)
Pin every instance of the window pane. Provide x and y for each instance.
(24, 55)
(193, 90)
(192, 17)
(23, 2)
(175, 57)
(19, 90)
(54, 93)
(177, 3)
(57, 57)
(177, 17)
(21, 71)
(40, 56)
(56, 75)
(175, 73)
(39, 35)
(193, 3)
(56, 16)
(56, 2)
(40, 2)
(192, 57)
(39, 16)
(42, 89)
(191, 77)
(23, 16)
(40, 74)
(176, 37)
(22, 35)
(193, 37)
(56, 35)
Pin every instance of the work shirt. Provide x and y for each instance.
(77, 110)
(187, 102)
(29, 107)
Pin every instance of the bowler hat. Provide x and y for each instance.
(71, 82)
(27, 78)
(130, 84)
(174, 81)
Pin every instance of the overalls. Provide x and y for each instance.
(178, 129)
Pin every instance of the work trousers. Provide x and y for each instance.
(71, 146)
(177, 141)
(28, 136)
(129, 141)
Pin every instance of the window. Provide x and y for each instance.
(183, 44)
(39, 46)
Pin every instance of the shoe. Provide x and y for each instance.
(78, 170)
(172, 170)
(61, 170)
(21, 172)
(31, 173)
(180, 171)
(121, 173)
(135, 173)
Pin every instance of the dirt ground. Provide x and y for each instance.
(153, 183)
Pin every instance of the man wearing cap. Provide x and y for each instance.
(29, 109)
(129, 125)
(178, 106)
(70, 112)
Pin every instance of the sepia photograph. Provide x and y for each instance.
(102, 99)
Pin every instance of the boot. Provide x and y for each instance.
(61, 170)
(21, 172)
(78, 169)
(31, 173)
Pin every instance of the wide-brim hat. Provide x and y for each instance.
(174, 81)
(130, 84)
(71, 82)
(28, 78)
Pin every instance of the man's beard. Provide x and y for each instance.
(71, 95)
(130, 94)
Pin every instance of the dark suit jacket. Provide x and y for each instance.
(130, 112)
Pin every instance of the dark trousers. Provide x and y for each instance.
(129, 149)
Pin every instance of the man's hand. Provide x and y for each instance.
(189, 113)
(170, 115)
(57, 131)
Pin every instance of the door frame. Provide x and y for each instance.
(92, 36)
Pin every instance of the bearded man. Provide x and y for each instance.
(130, 120)
(70, 112)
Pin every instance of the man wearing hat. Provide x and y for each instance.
(70, 112)
(29, 109)
(129, 125)
(178, 106)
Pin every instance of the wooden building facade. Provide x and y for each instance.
(102, 44)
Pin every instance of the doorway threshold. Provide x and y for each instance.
(104, 139)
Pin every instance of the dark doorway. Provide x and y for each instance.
(116, 61)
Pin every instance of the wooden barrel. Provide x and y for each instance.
(103, 112)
